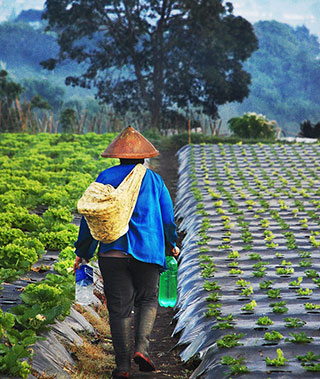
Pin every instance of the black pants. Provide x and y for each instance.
(129, 283)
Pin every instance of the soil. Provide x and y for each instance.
(163, 350)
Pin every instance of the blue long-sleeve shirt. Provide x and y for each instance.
(151, 225)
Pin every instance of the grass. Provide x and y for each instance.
(95, 358)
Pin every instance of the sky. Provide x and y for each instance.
(292, 12)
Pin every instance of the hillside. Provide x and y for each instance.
(285, 71)
(292, 12)
(285, 77)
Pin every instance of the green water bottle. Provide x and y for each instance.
(168, 284)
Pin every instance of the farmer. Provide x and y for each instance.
(131, 265)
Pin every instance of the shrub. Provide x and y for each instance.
(308, 130)
(251, 125)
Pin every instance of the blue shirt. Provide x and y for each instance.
(151, 225)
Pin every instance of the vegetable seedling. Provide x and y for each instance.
(265, 321)
(273, 336)
(279, 361)
(299, 338)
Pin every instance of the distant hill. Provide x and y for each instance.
(285, 70)
(285, 75)
(292, 12)
(24, 44)
(30, 15)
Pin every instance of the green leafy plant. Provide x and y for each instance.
(250, 306)
(230, 340)
(243, 283)
(211, 286)
(292, 322)
(284, 270)
(279, 307)
(266, 284)
(311, 274)
(305, 263)
(13, 347)
(272, 245)
(296, 283)
(246, 291)
(305, 254)
(304, 291)
(207, 269)
(214, 297)
(213, 310)
(279, 361)
(311, 306)
(265, 320)
(299, 338)
(255, 256)
(223, 325)
(259, 273)
(234, 254)
(274, 293)
(314, 242)
(235, 271)
(273, 336)
(310, 356)
(229, 360)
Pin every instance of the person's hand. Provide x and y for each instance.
(175, 251)
(77, 263)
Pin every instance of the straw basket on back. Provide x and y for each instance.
(108, 210)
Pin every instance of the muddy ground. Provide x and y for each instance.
(163, 348)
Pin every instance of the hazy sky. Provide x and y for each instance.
(293, 12)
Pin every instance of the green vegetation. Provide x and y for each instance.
(252, 125)
(273, 336)
(279, 361)
(230, 340)
(236, 365)
(299, 338)
(45, 175)
(160, 73)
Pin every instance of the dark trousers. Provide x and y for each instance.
(129, 283)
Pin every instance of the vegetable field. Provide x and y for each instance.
(41, 178)
(249, 296)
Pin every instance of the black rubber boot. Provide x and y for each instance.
(120, 332)
(143, 321)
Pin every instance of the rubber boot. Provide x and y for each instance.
(144, 320)
(120, 332)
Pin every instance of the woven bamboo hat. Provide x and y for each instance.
(130, 144)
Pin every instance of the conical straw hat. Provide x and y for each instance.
(130, 144)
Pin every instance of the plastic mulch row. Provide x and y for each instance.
(251, 218)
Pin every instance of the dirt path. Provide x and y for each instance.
(162, 346)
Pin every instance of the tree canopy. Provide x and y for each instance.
(150, 56)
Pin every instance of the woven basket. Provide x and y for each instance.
(108, 210)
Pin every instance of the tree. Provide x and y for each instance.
(152, 55)
(9, 92)
(68, 120)
(49, 91)
(308, 130)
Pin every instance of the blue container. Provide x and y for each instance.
(84, 285)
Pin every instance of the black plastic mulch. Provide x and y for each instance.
(286, 178)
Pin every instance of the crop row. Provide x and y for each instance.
(250, 262)
(42, 177)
